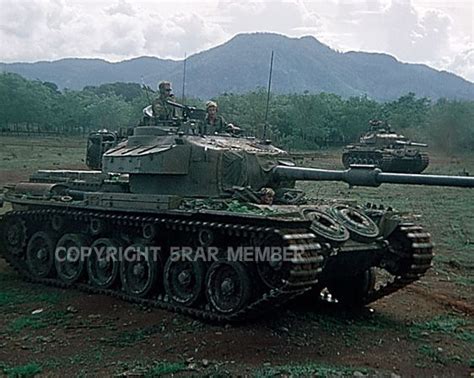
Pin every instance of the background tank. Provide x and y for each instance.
(211, 226)
(387, 150)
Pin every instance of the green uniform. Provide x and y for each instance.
(162, 110)
(218, 125)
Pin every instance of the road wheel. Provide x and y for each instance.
(40, 255)
(228, 286)
(103, 264)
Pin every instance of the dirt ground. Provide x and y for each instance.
(426, 329)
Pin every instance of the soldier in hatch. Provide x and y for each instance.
(267, 196)
(161, 109)
(214, 123)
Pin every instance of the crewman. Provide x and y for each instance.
(214, 123)
(161, 109)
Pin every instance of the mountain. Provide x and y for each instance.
(242, 64)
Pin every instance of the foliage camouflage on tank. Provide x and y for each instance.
(387, 150)
(211, 226)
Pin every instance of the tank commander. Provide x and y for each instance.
(214, 123)
(376, 124)
(161, 109)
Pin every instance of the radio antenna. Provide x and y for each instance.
(268, 98)
(146, 90)
(184, 78)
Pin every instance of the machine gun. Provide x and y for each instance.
(189, 112)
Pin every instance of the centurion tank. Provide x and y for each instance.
(211, 226)
(387, 150)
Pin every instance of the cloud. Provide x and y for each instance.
(403, 28)
(462, 63)
(20, 19)
(282, 16)
(181, 33)
(397, 28)
(122, 7)
(50, 29)
(411, 30)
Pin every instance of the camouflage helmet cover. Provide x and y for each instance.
(163, 83)
(210, 104)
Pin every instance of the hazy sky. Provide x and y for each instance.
(438, 33)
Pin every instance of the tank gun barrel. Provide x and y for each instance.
(368, 176)
(414, 144)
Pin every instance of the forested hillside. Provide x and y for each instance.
(304, 121)
(241, 65)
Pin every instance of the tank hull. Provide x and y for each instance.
(330, 258)
(387, 161)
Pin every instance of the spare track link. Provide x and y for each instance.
(303, 274)
(420, 255)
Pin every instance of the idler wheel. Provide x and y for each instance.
(69, 259)
(139, 270)
(15, 235)
(184, 280)
(103, 264)
(351, 291)
(228, 286)
(40, 255)
(326, 226)
(360, 226)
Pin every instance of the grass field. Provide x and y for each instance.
(424, 330)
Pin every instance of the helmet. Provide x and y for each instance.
(210, 104)
(162, 84)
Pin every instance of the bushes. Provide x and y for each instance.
(297, 121)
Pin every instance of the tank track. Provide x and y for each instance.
(387, 162)
(362, 157)
(416, 258)
(425, 161)
(303, 274)
(415, 165)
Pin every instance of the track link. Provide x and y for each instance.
(416, 256)
(303, 273)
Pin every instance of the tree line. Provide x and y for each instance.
(297, 121)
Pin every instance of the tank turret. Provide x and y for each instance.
(387, 150)
(211, 226)
(192, 165)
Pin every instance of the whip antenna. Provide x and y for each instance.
(268, 98)
(184, 78)
(146, 90)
